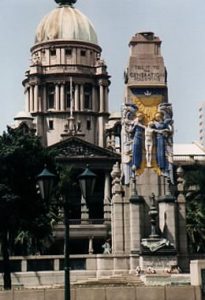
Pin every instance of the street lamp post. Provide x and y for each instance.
(87, 183)
(45, 182)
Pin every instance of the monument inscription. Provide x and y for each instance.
(147, 73)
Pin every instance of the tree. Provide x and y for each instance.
(25, 219)
(195, 197)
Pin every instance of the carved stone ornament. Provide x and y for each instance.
(76, 147)
(155, 244)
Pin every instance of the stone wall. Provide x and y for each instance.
(108, 293)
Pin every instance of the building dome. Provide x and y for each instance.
(66, 23)
(23, 115)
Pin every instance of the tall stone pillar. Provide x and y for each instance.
(167, 217)
(39, 103)
(57, 97)
(102, 107)
(106, 99)
(62, 56)
(101, 131)
(44, 99)
(182, 243)
(76, 98)
(36, 97)
(62, 97)
(107, 199)
(81, 97)
(90, 245)
(27, 100)
(117, 212)
(136, 220)
(94, 99)
(58, 56)
(32, 98)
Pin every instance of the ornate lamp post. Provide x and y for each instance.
(87, 182)
(45, 181)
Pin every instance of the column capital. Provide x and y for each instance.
(103, 82)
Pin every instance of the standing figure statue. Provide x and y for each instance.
(163, 132)
(138, 130)
(149, 130)
(106, 246)
(128, 113)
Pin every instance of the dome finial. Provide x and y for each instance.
(66, 2)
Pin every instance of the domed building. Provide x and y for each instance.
(66, 86)
(66, 89)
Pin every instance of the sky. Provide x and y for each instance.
(180, 24)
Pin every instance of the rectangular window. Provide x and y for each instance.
(53, 52)
(83, 53)
(68, 51)
(50, 124)
(87, 103)
(88, 124)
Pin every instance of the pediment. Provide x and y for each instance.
(74, 147)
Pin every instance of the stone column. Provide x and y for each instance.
(58, 56)
(39, 104)
(62, 56)
(167, 217)
(106, 99)
(62, 97)
(94, 99)
(81, 97)
(182, 243)
(27, 100)
(117, 212)
(36, 98)
(90, 247)
(31, 98)
(76, 98)
(101, 131)
(136, 217)
(57, 97)
(102, 108)
(44, 99)
(107, 199)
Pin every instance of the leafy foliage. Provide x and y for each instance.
(195, 195)
(29, 219)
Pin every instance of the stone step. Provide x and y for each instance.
(124, 280)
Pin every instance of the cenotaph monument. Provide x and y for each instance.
(148, 219)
